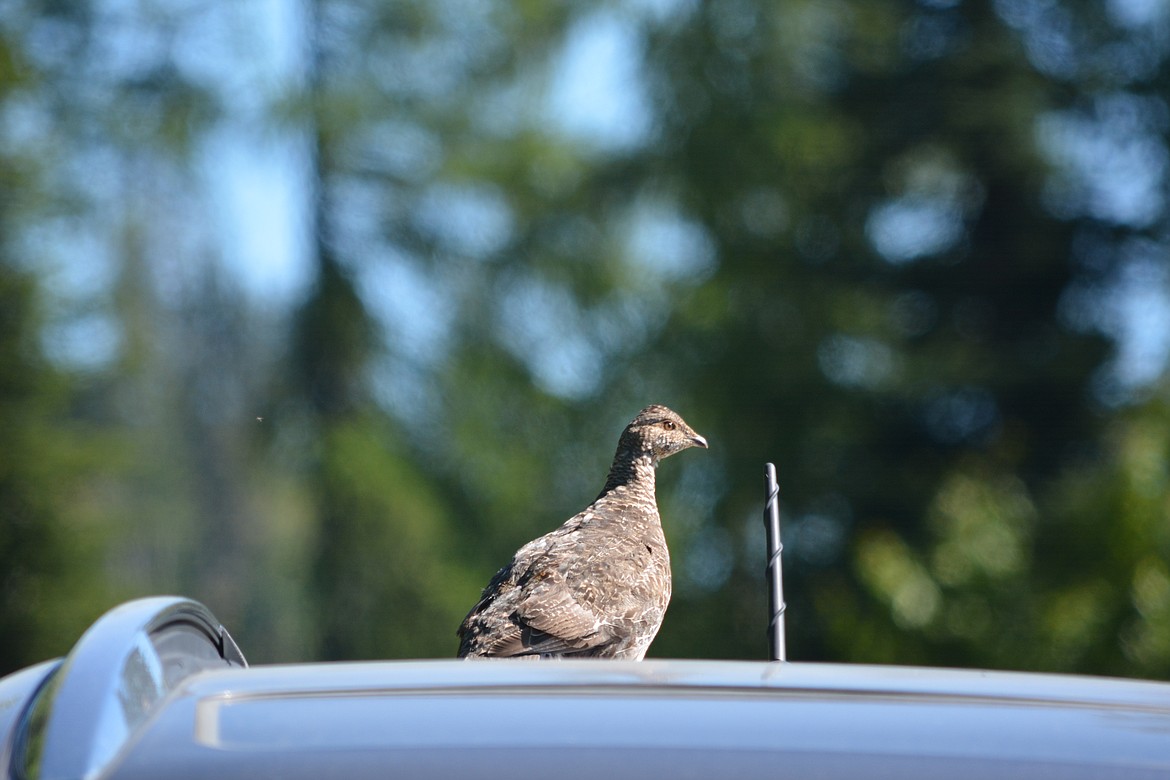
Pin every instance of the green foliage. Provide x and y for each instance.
(49, 592)
(383, 579)
(384, 572)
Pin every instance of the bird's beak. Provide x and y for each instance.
(699, 441)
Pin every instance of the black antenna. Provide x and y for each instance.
(776, 605)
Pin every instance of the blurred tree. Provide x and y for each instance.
(847, 239)
(49, 586)
(150, 355)
(382, 575)
(893, 247)
(1103, 601)
(891, 316)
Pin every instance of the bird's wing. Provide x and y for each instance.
(556, 595)
(493, 625)
(580, 591)
(555, 619)
(503, 641)
(506, 578)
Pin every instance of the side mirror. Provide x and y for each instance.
(112, 680)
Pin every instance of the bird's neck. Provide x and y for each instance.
(631, 470)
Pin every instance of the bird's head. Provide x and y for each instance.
(659, 432)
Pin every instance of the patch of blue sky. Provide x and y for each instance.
(914, 227)
(256, 191)
(666, 245)
(254, 173)
(1113, 161)
(1138, 13)
(598, 95)
(1136, 313)
(540, 323)
(469, 219)
(412, 304)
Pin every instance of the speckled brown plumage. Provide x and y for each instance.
(597, 586)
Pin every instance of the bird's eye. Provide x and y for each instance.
(669, 425)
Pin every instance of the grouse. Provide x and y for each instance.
(598, 586)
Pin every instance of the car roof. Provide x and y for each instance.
(697, 675)
(627, 719)
(157, 688)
